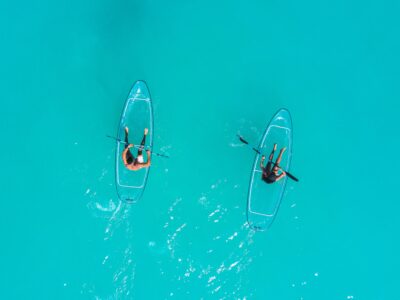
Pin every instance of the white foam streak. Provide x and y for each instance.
(232, 237)
(233, 265)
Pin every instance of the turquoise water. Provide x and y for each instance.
(213, 69)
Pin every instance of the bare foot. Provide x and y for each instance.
(126, 130)
(283, 149)
(275, 146)
(146, 131)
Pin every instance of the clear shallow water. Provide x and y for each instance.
(213, 69)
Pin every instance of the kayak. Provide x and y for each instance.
(264, 199)
(136, 115)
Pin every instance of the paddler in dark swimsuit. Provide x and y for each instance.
(270, 174)
(130, 162)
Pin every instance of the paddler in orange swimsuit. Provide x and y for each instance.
(130, 162)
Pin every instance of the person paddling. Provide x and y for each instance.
(270, 174)
(130, 162)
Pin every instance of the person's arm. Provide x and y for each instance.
(148, 163)
(280, 176)
(262, 162)
(124, 154)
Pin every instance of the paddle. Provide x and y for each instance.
(138, 147)
(258, 151)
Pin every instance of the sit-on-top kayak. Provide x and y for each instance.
(137, 115)
(264, 199)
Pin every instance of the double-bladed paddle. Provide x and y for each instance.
(138, 147)
(258, 151)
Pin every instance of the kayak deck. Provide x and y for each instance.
(264, 199)
(136, 115)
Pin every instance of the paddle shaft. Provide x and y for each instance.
(258, 151)
(137, 147)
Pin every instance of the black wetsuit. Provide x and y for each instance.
(271, 177)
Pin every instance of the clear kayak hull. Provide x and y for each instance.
(136, 115)
(264, 199)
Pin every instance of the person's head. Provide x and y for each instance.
(275, 170)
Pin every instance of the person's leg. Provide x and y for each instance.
(140, 151)
(271, 156)
(143, 142)
(129, 156)
(126, 137)
(278, 160)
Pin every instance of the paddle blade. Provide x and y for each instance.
(114, 138)
(292, 177)
(111, 137)
(242, 140)
(258, 151)
(161, 155)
